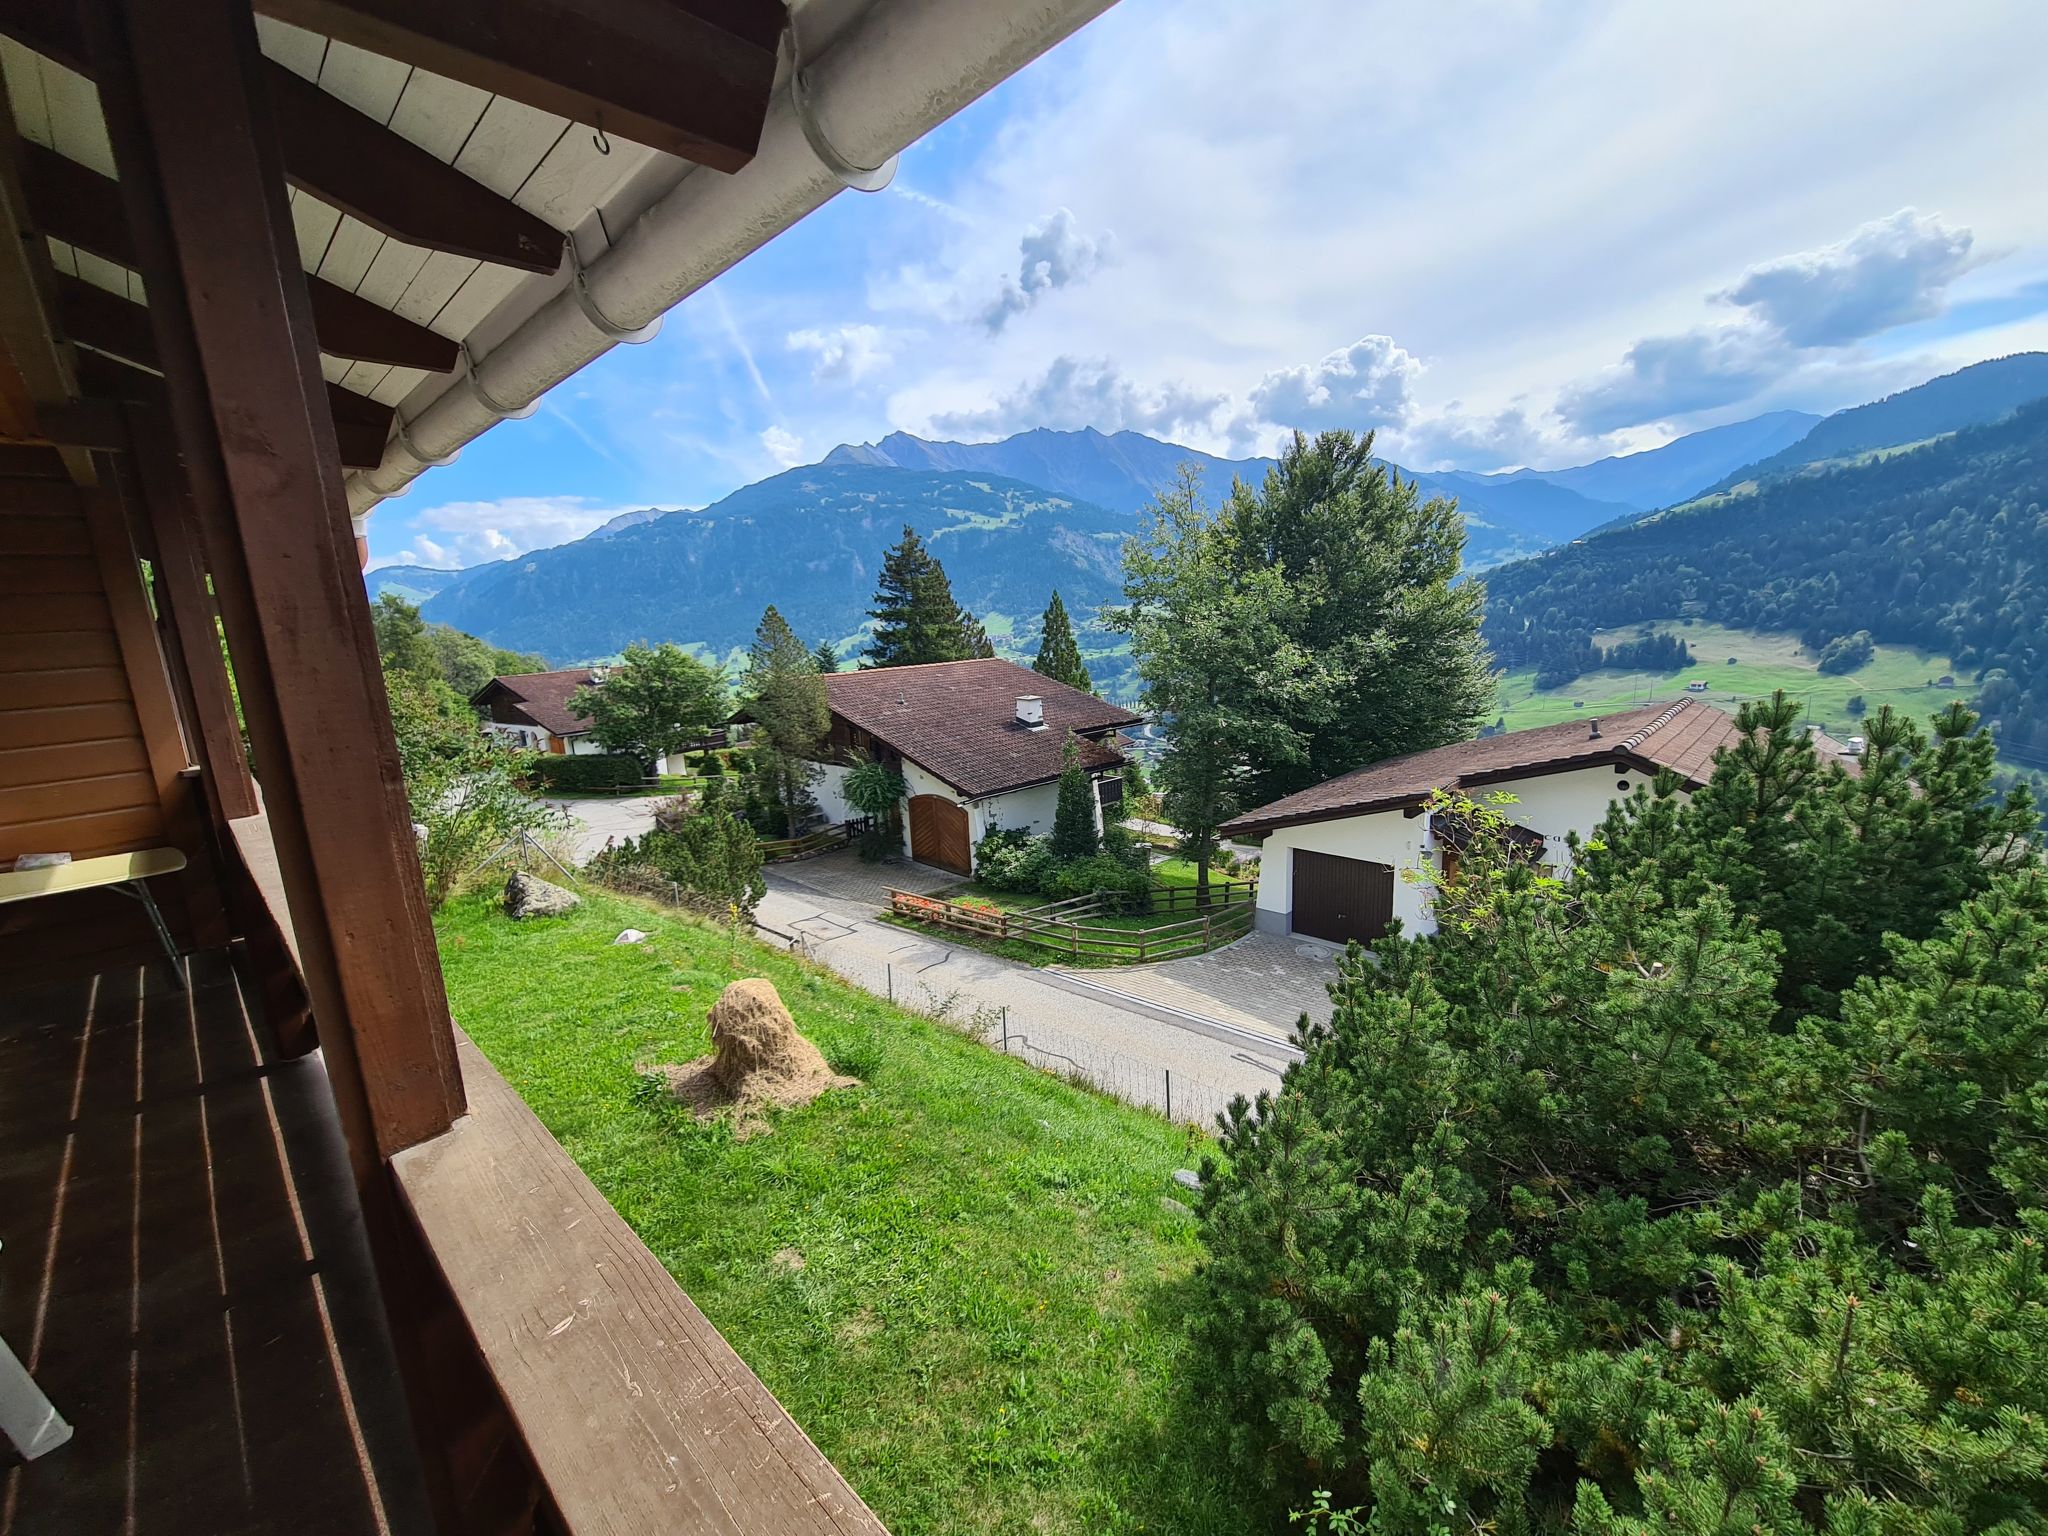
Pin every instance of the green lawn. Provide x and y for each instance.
(1896, 675)
(985, 1333)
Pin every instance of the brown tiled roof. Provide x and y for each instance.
(1682, 737)
(958, 720)
(542, 697)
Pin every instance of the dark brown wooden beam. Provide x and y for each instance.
(89, 423)
(121, 329)
(346, 159)
(76, 204)
(355, 164)
(183, 92)
(691, 77)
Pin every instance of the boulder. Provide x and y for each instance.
(530, 896)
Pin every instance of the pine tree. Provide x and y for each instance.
(974, 639)
(826, 657)
(786, 697)
(916, 617)
(1059, 657)
(1073, 821)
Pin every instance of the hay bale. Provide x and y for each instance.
(759, 1059)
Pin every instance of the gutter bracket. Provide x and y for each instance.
(579, 284)
(856, 178)
(483, 398)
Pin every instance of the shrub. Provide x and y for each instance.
(1104, 875)
(1012, 860)
(711, 766)
(604, 770)
(713, 856)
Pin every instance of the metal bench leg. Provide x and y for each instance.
(163, 932)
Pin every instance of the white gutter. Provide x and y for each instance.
(897, 73)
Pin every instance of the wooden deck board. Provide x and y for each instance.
(185, 1322)
(638, 1415)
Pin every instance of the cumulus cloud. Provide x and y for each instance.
(1367, 384)
(1798, 312)
(469, 533)
(1081, 392)
(783, 446)
(843, 355)
(1888, 272)
(1053, 254)
(1455, 438)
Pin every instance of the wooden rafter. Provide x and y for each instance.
(120, 330)
(76, 204)
(346, 159)
(690, 77)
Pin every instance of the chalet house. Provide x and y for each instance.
(980, 745)
(1333, 855)
(279, 1247)
(530, 710)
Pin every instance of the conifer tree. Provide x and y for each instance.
(786, 697)
(1058, 656)
(916, 617)
(826, 657)
(1073, 821)
(974, 639)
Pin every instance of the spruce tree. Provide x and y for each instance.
(974, 639)
(1059, 657)
(1073, 821)
(916, 617)
(826, 657)
(786, 697)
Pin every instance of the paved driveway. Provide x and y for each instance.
(843, 876)
(1265, 981)
(593, 823)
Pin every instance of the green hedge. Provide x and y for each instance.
(608, 770)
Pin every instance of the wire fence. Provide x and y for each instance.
(1182, 1096)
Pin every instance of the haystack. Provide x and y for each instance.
(758, 1061)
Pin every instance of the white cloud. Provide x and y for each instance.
(783, 446)
(1662, 376)
(1365, 385)
(1053, 254)
(1888, 272)
(1080, 392)
(469, 533)
(845, 354)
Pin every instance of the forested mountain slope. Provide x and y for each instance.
(1944, 547)
(1969, 397)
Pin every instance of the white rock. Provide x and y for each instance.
(631, 936)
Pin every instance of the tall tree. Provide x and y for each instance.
(786, 697)
(1374, 571)
(974, 638)
(1059, 657)
(917, 619)
(402, 643)
(1221, 668)
(654, 702)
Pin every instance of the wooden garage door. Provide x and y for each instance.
(938, 833)
(1339, 899)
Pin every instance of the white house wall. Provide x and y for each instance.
(831, 793)
(1552, 804)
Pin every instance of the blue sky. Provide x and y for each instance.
(1528, 233)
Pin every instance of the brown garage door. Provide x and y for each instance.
(1339, 899)
(938, 833)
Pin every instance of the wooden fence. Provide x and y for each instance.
(837, 836)
(1059, 926)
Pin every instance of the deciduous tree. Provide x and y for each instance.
(654, 702)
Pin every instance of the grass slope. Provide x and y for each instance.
(984, 1333)
(1896, 675)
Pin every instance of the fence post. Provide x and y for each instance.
(1206, 920)
(1074, 937)
(890, 968)
(1006, 1029)
(675, 894)
(1169, 1093)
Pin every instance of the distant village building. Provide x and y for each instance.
(530, 710)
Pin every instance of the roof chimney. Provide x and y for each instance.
(1031, 711)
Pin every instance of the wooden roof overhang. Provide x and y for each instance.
(449, 166)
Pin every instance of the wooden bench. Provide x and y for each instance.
(124, 872)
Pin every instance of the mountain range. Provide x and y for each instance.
(1043, 509)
